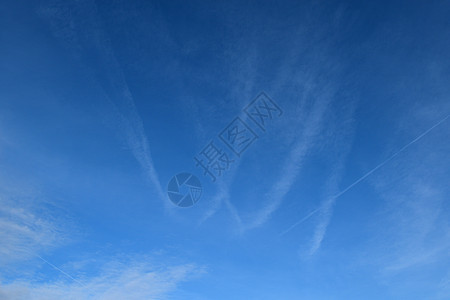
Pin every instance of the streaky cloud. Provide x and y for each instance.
(80, 29)
(118, 279)
(292, 164)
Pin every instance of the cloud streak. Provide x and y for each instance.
(118, 279)
(326, 206)
(292, 164)
(80, 28)
(24, 232)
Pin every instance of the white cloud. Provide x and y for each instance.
(24, 231)
(343, 141)
(415, 205)
(292, 164)
(27, 231)
(411, 232)
(117, 280)
(313, 96)
(80, 28)
(418, 232)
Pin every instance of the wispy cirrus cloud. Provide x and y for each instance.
(311, 116)
(292, 164)
(305, 74)
(411, 232)
(342, 142)
(28, 231)
(80, 29)
(418, 221)
(325, 209)
(28, 226)
(116, 279)
(24, 232)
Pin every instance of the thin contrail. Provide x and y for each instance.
(371, 171)
(58, 269)
(300, 221)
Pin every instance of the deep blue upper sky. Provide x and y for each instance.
(344, 195)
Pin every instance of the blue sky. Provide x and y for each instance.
(345, 195)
